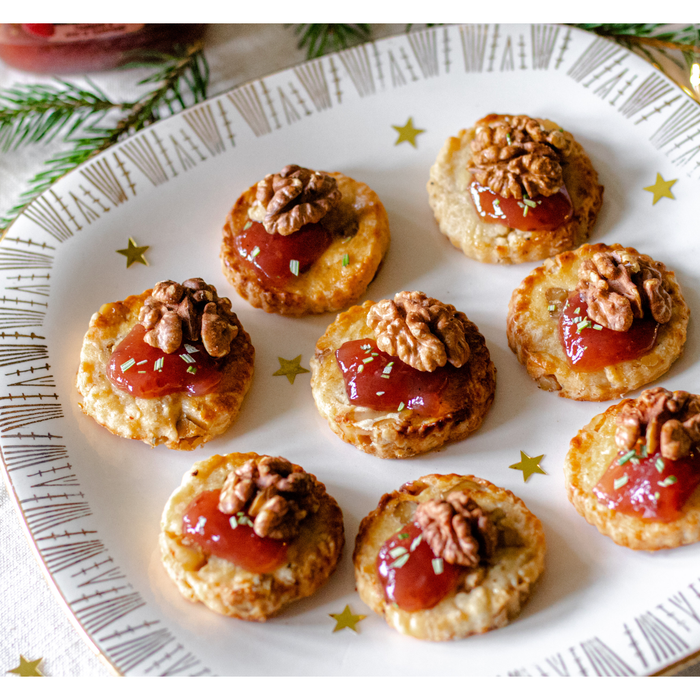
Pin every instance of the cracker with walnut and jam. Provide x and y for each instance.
(402, 376)
(634, 470)
(596, 323)
(248, 534)
(514, 189)
(304, 242)
(170, 366)
(448, 556)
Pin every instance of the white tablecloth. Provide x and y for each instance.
(34, 623)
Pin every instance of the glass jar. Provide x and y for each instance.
(81, 48)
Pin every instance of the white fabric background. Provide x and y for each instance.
(32, 621)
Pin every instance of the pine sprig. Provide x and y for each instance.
(40, 113)
(648, 39)
(320, 39)
(33, 113)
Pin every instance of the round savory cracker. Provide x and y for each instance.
(337, 278)
(403, 433)
(228, 589)
(178, 421)
(456, 215)
(533, 333)
(489, 597)
(590, 454)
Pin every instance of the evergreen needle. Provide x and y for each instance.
(34, 113)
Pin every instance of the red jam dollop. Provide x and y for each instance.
(412, 576)
(649, 486)
(147, 372)
(205, 525)
(273, 255)
(590, 346)
(537, 214)
(374, 379)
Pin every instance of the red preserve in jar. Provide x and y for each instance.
(77, 48)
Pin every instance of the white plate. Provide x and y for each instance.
(92, 502)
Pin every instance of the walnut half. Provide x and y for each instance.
(457, 529)
(189, 311)
(295, 196)
(618, 286)
(420, 331)
(276, 497)
(667, 422)
(516, 155)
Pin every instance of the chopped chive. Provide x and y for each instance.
(552, 307)
(158, 364)
(644, 452)
(656, 495)
(191, 348)
(294, 267)
(397, 552)
(619, 483)
(367, 359)
(232, 522)
(659, 464)
(129, 363)
(577, 310)
(525, 211)
(380, 393)
(247, 225)
(496, 202)
(403, 535)
(389, 365)
(438, 565)
(385, 376)
(626, 457)
(416, 542)
(529, 202)
(191, 370)
(402, 405)
(508, 139)
(398, 563)
(367, 346)
(142, 371)
(346, 260)
(143, 362)
(255, 252)
(244, 520)
(668, 481)
(361, 368)
(188, 358)
(597, 327)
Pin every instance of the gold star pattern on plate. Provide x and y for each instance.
(346, 619)
(528, 465)
(407, 133)
(27, 668)
(661, 188)
(290, 368)
(134, 253)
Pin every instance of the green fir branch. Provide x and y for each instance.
(39, 113)
(320, 39)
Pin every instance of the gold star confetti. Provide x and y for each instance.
(407, 133)
(346, 619)
(27, 668)
(528, 465)
(134, 253)
(661, 188)
(290, 368)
